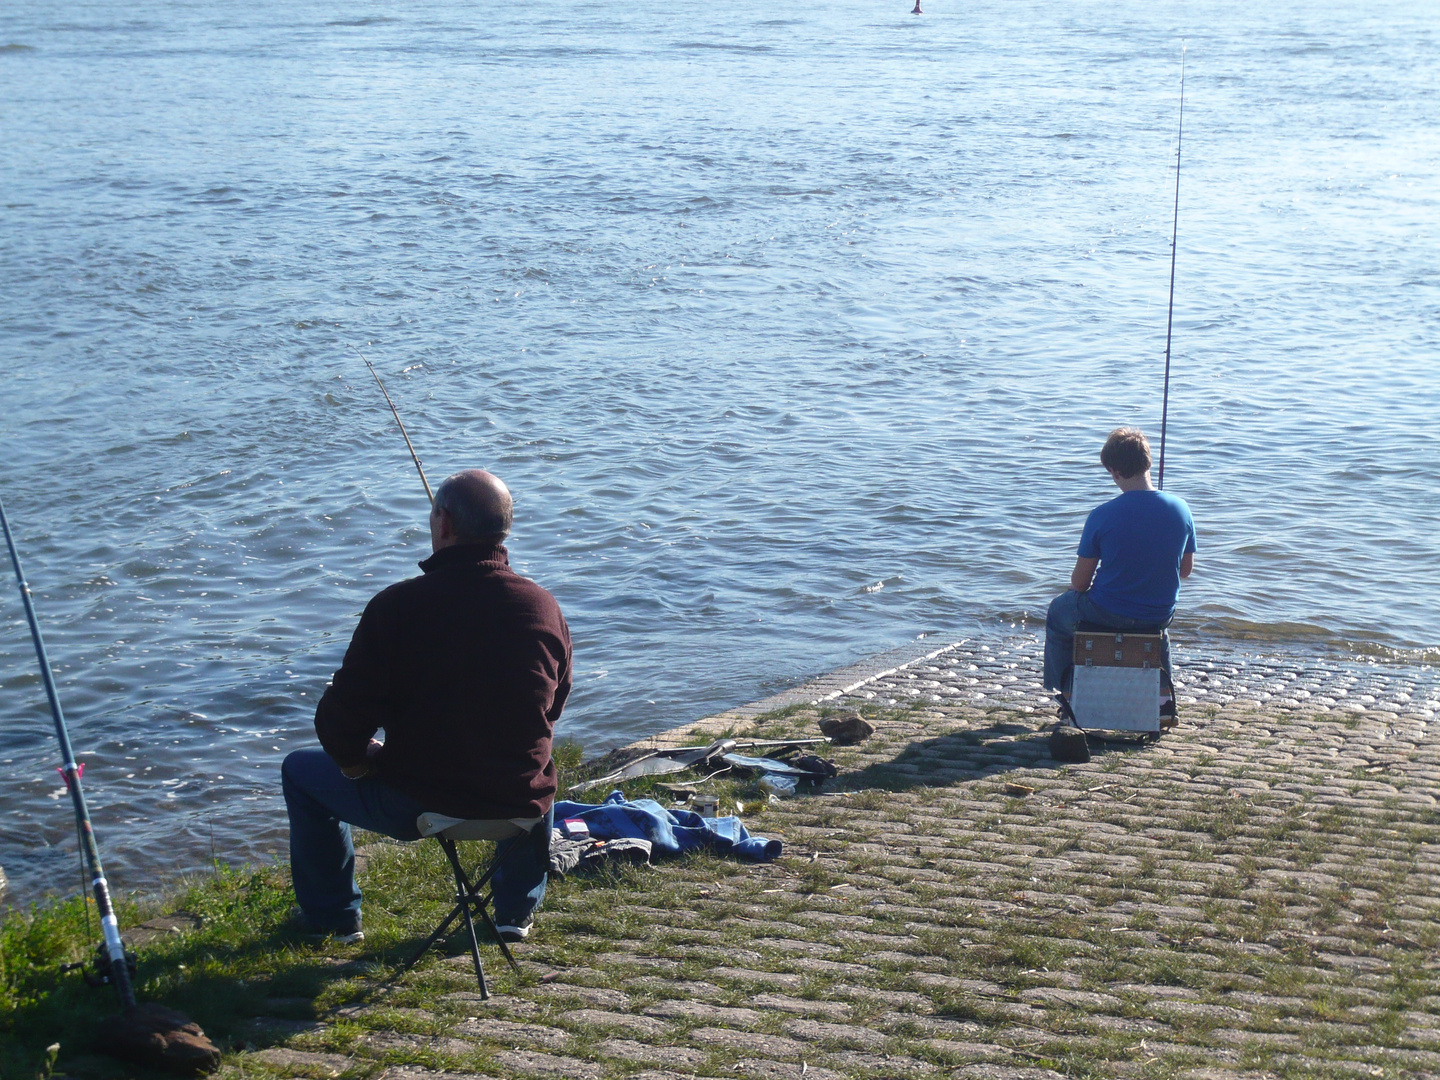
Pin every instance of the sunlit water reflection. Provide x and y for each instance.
(795, 332)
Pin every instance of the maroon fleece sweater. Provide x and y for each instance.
(466, 668)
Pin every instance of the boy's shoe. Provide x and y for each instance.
(512, 934)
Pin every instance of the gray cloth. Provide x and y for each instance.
(568, 855)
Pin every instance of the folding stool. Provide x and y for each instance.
(470, 896)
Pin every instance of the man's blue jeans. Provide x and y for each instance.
(323, 803)
(1069, 610)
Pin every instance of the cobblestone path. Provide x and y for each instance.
(1255, 895)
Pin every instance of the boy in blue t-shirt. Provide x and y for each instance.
(1133, 552)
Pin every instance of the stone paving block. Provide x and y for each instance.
(1080, 999)
(509, 1033)
(631, 1050)
(834, 1034)
(533, 1062)
(834, 1010)
(781, 1070)
(626, 959)
(677, 988)
(302, 1061)
(750, 1042)
(1269, 1040)
(896, 999)
(780, 980)
(699, 1010)
(644, 1025)
(959, 1051)
(598, 996)
(377, 1043)
(885, 1065)
(817, 966)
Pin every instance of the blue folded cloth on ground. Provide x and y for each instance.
(671, 832)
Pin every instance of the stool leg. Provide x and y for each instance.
(444, 927)
(471, 900)
(465, 893)
(494, 930)
(440, 931)
(502, 852)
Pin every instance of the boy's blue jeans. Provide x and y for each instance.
(1069, 610)
(323, 803)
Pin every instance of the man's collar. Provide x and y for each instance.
(467, 555)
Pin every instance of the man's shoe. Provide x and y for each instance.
(343, 935)
(512, 934)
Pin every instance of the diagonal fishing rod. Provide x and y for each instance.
(396, 413)
(1174, 235)
(150, 1034)
(114, 948)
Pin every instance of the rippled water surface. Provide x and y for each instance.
(794, 328)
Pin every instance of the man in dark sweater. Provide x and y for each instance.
(466, 668)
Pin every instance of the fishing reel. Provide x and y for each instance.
(101, 971)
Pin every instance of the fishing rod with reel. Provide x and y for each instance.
(1174, 236)
(151, 1034)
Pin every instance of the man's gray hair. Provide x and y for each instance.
(477, 511)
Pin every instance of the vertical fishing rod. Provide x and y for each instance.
(110, 926)
(1174, 235)
(396, 413)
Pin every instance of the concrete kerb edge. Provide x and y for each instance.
(827, 687)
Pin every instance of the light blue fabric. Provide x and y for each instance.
(671, 832)
(1139, 538)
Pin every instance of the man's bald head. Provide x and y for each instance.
(471, 507)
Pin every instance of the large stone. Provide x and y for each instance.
(161, 1038)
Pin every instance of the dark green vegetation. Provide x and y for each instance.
(1255, 896)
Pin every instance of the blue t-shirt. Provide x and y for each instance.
(1139, 538)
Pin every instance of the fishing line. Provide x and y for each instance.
(396, 413)
(1174, 235)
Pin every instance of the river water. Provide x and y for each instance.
(795, 330)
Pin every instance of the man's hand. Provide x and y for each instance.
(356, 772)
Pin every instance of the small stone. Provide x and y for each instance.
(847, 729)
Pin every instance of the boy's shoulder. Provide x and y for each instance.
(1135, 502)
(1175, 501)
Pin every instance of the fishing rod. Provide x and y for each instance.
(1174, 236)
(151, 1034)
(119, 970)
(396, 413)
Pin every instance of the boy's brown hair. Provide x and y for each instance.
(1126, 452)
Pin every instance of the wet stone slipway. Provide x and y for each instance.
(1254, 895)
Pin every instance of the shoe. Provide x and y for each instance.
(299, 924)
(512, 934)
